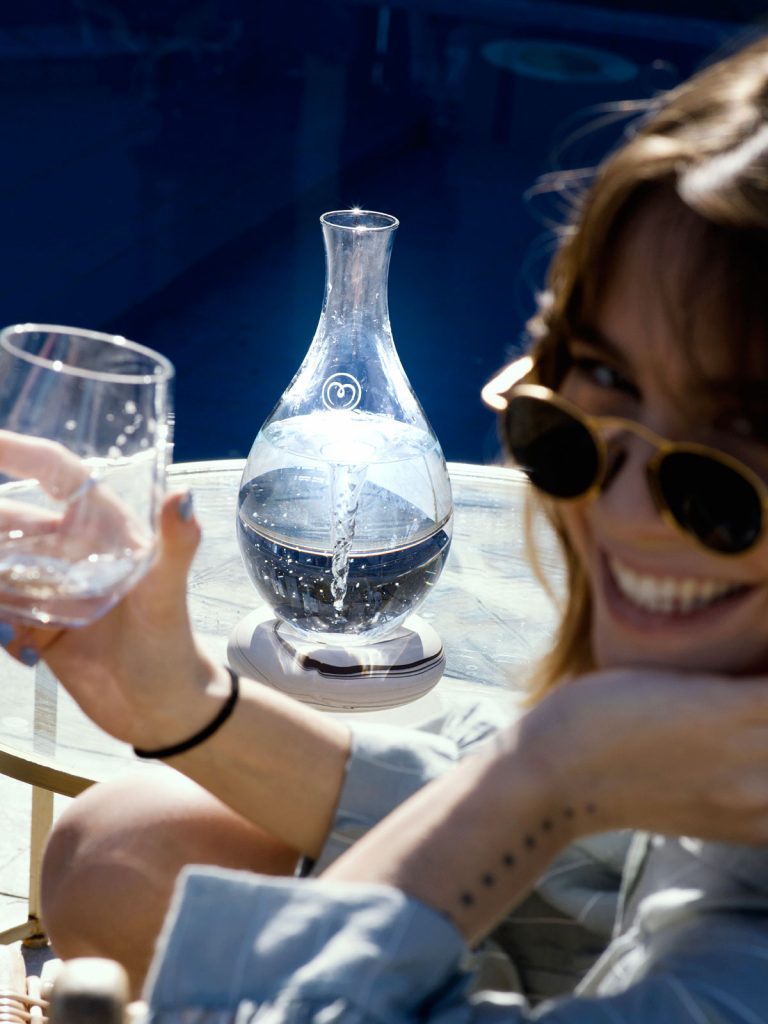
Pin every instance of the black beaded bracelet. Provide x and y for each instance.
(205, 732)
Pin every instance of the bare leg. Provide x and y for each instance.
(113, 856)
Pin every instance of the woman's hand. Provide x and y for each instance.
(137, 671)
(101, 521)
(69, 545)
(664, 751)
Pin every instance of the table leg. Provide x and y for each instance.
(38, 768)
(31, 932)
(42, 819)
(46, 717)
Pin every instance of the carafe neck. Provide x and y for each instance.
(358, 245)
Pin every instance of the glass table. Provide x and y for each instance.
(491, 612)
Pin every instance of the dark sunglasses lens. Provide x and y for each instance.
(556, 452)
(712, 501)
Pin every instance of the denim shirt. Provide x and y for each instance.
(691, 943)
(545, 945)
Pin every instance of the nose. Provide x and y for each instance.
(615, 459)
(625, 491)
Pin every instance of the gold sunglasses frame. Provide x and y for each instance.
(596, 425)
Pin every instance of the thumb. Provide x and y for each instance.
(179, 533)
(163, 590)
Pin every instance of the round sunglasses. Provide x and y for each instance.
(567, 454)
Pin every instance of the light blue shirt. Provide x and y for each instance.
(690, 944)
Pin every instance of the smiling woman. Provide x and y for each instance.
(655, 599)
(682, 354)
(650, 459)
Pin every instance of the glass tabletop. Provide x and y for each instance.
(491, 612)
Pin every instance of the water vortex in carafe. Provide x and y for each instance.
(340, 532)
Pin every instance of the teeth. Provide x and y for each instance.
(667, 593)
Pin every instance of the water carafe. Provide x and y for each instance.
(344, 511)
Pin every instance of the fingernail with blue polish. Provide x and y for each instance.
(186, 506)
(7, 633)
(29, 656)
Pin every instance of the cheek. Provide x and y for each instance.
(758, 559)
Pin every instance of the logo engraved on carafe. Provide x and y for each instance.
(341, 391)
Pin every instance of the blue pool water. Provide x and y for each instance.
(165, 166)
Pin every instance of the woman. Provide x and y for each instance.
(643, 424)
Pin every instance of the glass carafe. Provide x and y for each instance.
(345, 510)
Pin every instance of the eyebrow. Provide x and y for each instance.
(746, 389)
(592, 336)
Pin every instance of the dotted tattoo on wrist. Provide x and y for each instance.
(510, 859)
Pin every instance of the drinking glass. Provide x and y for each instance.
(85, 438)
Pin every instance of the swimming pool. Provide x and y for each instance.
(165, 172)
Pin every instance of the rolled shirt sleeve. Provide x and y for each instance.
(299, 946)
(386, 766)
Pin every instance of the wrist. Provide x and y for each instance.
(186, 709)
(576, 780)
(526, 761)
(200, 736)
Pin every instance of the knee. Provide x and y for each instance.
(115, 853)
(93, 860)
(93, 828)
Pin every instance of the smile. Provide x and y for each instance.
(668, 594)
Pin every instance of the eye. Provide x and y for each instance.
(602, 374)
(740, 424)
(751, 425)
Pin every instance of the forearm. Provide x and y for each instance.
(275, 761)
(472, 843)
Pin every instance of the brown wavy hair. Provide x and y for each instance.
(704, 148)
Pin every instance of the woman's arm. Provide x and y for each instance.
(620, 749)
(380, 936)
(139, 674)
